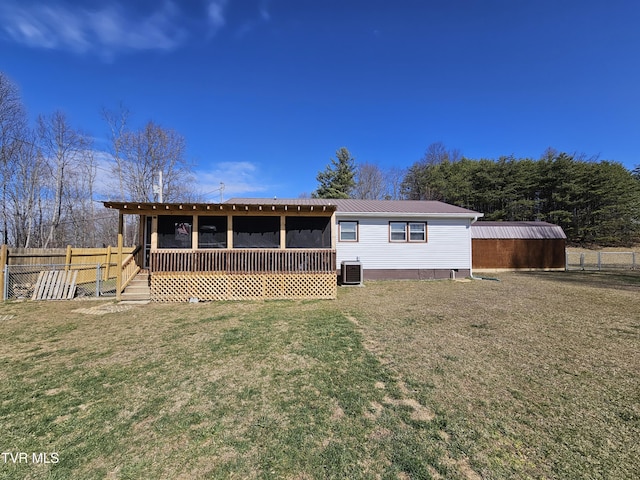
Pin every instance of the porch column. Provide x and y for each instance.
(283, 232)
(119, 256)
(194, 233)
(154, 232)
(229, 231)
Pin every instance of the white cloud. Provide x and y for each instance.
(215, 12)
(239, 178)
(106, 30)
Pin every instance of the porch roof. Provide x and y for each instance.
(265, 206)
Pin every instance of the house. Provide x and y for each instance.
(293, 248)
(399, 239)
(518, 246)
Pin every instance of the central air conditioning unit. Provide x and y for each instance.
(351, 273)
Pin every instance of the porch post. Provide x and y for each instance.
(229, 231)
(194, 233)
(283, 232)
(119, 256)
(154, 232)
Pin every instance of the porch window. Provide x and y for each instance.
(174, 231)
(308, 232)
(348, 231)
(212, 232)
(256, 232)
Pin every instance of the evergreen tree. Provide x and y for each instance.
(338, 179)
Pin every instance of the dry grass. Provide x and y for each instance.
(535, 376)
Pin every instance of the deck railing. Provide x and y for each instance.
(244, 261)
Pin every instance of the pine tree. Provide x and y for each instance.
(338, 179)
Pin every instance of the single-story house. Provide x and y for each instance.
(518, 246)
(294, 248)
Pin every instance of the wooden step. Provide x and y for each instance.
(138, 288)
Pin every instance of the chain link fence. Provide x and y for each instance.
(602, 260)
(91, 280)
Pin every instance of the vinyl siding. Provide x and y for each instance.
(448, 245)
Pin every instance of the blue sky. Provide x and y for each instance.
(265, 91)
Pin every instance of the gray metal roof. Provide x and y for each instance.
(398, 207)
(523, 230)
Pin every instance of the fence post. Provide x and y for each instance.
(633, 260)
(3, 274)
(599, 261)
(67, 259)
(108, 263)
(98, 279)
(5, 282)
(582, 261)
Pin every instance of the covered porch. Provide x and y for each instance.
(232, 251)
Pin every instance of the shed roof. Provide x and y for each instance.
(373, 207)
(522, 230)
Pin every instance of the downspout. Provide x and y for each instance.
(475, 219)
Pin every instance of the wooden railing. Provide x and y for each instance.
(130, 268)
(247, 261)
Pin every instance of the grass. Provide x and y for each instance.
(535, 376)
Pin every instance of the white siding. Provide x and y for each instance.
(448, 245)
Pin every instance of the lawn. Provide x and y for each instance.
(533, 376)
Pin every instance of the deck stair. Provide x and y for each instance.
(138, 289)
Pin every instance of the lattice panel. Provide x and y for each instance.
(180, 287)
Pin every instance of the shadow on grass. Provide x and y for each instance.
(619, 280)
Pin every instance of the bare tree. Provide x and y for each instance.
(24, 192)
(65, 151)
(117, 123)
(146, 153)
(393, 180)
(370, 182)
(12, 128)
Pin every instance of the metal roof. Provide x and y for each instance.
(373, 207)
(522, 230)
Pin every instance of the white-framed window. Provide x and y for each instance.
(417, 232)
(407, 232)
(348, 231)
(397, 231)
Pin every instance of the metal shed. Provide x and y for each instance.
(518, 246)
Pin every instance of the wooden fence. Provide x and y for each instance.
(80, 259)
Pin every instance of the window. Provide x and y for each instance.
(418, 232)
(348, 231)
(308, 232)
(256, 232)
(212, 232)
(174, 231)
(398, 231)
(407, 232)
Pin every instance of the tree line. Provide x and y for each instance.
(51, 176)
(595, 202)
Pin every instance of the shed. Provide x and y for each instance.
(518, 246)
